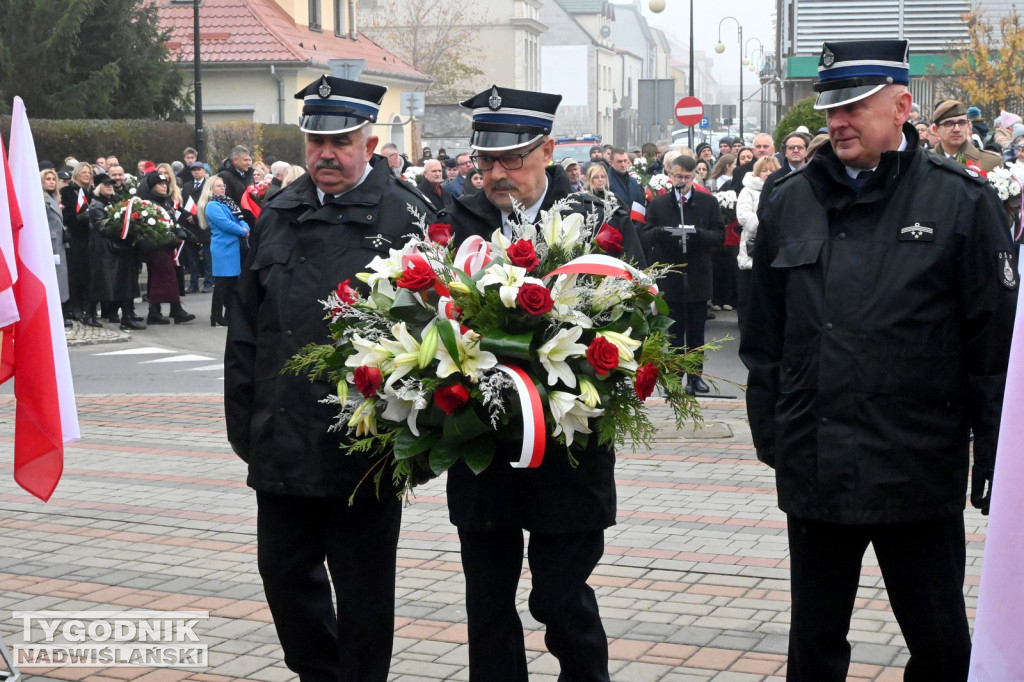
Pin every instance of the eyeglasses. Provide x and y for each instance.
(508, 161)
(795, 147)
(961, 123)
(467, 162)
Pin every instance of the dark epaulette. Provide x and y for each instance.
(955, 167)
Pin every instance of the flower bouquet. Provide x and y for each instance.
(139, 222)
(544, 333)
(657, 184)
(727, 204)
(258, 190)
(1008, 182)
(413, 174)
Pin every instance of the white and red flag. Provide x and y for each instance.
(191, 206)
(998, 636)
(46, 417)
(638, 212)
(82, 201)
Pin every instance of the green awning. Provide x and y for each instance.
(807, 66)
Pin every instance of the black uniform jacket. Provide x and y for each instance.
(554, 497)
(701, 211)
(299, 252)
(877, 336)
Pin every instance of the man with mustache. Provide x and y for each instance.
(315, 233)
(565, 508)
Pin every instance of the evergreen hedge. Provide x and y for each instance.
(160, 141)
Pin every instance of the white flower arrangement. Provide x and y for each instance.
(659, 182)
(1007, 181)
(726, 199)
(412, 173)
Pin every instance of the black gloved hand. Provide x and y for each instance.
(981, 489)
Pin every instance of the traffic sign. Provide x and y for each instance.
(689, 111)
(704, 122)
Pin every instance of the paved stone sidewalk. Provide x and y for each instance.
(153, 513)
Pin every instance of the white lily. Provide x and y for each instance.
(509, 277)
(570, 414)
(474, 361)
(567, 300)
(559, 231)
(367, 353)
(499, 242)
(384, 270)
(588, 392)
(405, 404)
(404, 350)
(626, 346)
(364, 419)
(610, 292)
(554, 353)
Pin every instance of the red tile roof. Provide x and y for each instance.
(259, 31)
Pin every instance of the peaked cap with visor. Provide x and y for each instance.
(505, 119)
(852, 70)
(331, 106)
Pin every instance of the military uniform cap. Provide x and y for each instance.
(335, 105)
(853, 70)
(504, 118)
(949, 109)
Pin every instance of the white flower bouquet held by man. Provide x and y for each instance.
(727, 203)
(546, 332)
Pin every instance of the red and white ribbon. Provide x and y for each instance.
(599, 264)
(127, 217)
(177, 252)
(534, 436)
(473, 255)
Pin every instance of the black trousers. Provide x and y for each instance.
(223, 289)
(560, 599)
(690, 320)
(295, 535)
(923, 567)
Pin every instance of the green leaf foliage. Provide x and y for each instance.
(802, 113)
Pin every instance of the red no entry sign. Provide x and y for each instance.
(689, 111)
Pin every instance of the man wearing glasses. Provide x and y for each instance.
(565, 508)
(951, 124)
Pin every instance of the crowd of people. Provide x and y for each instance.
(101, 275)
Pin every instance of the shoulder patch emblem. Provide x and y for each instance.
(970, 171)
(1008, 270)
(918, 232)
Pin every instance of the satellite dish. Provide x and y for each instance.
(605, 31)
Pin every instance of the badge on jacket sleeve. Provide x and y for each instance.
(1008, 270)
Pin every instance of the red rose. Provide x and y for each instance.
(609, 239)
(452, 397)
(534, 299)
(135, 215)
(439, 233)
(346, 293)
(417, 278)
(646, 378)
(367, 380)
(522, 254)
(647, 193)
(602, 355)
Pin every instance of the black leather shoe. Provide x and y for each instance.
(131, 325)
(699, 385)
(688, 389)
(68, 324)
(153, 319)
(218, 323)
(136, 318)
(182, 316)
(91, 322)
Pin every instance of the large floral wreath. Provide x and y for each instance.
(139, 222)
(546, 333)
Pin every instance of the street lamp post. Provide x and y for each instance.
(197, 80)
(749, 61)
(720, 48)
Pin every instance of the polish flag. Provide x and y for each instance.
(998, 636)
(8, 276)
(82, 201)
(46, 417)
(191, 206)
(638, 212)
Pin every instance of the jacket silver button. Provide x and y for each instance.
(302, 259)
(369, 217)
(828, 326)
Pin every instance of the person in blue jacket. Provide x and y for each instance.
(228, 232)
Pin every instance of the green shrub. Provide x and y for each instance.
(160, 141)
(802, 113)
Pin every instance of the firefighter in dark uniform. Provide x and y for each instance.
(882, 303)
(565, 509)
(317, 232)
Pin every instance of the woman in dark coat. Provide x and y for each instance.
(113, 264)
(163, 278)
(75, 201)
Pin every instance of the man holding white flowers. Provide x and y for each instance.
(313, 237)
(565, 508)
